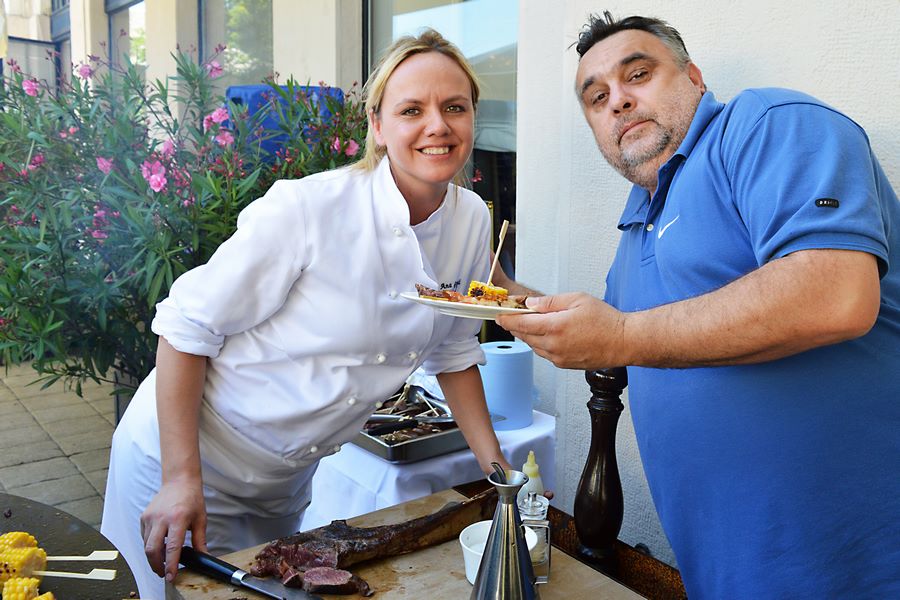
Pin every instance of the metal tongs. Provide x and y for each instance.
(397, 422)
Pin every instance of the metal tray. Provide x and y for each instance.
(420, 448)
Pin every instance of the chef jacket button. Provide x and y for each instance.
(380, 357)
(412, 356)
(393, 294)
(313, 449)
(649, 226)
(398, 232)
(351, 400)
(379, 405)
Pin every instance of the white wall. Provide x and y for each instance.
(569, 200)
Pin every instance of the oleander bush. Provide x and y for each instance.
(111, 187)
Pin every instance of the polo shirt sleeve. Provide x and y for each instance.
(804, 177)
(245, 281)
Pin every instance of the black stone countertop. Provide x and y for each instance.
(61, 534)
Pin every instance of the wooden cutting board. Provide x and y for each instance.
(435, 572)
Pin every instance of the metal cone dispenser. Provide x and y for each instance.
(506, 572)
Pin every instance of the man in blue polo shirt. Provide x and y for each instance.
(755, 298)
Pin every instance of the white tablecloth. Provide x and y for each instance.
(354, 482)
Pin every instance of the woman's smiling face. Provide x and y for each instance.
(426, 121)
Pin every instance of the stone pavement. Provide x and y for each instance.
(54, 445)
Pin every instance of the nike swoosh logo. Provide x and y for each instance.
(666, 226)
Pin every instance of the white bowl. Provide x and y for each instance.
(473, 538)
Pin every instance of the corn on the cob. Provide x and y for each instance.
(17, 539)
(21, 562)
(46, 596)
(478, 289)
(21, 588)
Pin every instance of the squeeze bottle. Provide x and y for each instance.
(534, 484)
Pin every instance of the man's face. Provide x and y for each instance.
(638, 102)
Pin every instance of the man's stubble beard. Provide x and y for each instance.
(629, 164)
(640, 166)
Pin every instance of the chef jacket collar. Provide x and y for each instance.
(394, 202)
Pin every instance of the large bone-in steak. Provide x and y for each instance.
(337, 546)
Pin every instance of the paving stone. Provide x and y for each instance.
(43, 400)
(94, 424)
(104, 407)
(63, 413)
(91, 460)
(89, 510)
(23, 435)
(6, 394)
(98, 480)
(15, 418)
(28, 453)
(57, 491)
(83, 442)
(34, 472)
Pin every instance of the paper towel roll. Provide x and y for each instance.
(508, 380)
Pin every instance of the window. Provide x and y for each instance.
(244, 27)
(60, 33)
(486, 32)
(127, 32)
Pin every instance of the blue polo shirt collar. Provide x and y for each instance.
(639, 198)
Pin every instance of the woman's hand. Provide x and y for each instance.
(177, 508)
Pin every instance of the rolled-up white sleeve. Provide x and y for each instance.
(456, 355)
(246, 280)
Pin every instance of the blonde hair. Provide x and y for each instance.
(373, 91)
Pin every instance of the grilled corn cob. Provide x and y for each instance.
(17, 539)
(21, 588)
(21, 562)
(478, 289)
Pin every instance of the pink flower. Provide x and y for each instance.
(224, 138)
(157, 182)
(168, 147)
(217, 116)
(155, 174)
(14, 66)
(36, 161)
(99, 235)
(31, 87)
(73, 130)
(352, 148)
(63, 134)
(104, 164)
(85, 72)
(214, 69)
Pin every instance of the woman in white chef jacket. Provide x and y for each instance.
(275, 352)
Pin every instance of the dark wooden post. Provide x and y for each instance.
(598, 502)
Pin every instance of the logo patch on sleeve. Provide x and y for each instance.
(828, 202)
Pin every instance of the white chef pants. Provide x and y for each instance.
(233, 523)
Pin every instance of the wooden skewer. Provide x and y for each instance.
(95, 555)
(101, 574)
(503, 229)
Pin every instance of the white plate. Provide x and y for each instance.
(468, 311)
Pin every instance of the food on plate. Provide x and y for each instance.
(21, 562)
(479, 293)
(17, 539)
(317, 559)
(20, 557)
(23, 588)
